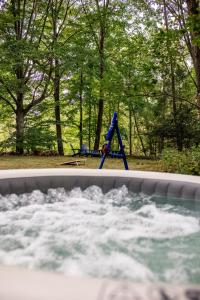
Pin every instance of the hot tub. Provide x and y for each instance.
(158, 185)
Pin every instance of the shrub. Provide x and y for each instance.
(38, 140)
(185, 162)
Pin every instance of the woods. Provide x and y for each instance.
(67, 65)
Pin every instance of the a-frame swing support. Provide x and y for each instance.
(109, 136)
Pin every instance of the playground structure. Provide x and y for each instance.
(109, 136)
(106, 149)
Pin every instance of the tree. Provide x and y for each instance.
(59, 20)
(187, 16)
(194, 21)
(23, 81)
(100, 13)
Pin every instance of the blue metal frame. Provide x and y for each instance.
(109, 137)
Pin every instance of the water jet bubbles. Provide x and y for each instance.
(3, 204)
(9, 202)
(94, 193)
(120, 196)
(23, 200)
(56, 195)
(86, 232)
(36, 197)
(75, 193)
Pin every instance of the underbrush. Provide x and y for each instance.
(185, 162)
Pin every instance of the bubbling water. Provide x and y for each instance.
(118, 234)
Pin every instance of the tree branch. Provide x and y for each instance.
(8, 90)
(31, 18)
(43, 26)
(42, 96)
(64, 18)
(90, 25)
(189, 72)
(23, 16)
(8, 102)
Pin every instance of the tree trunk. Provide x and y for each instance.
(16, 8)
(89, 124)
(20, 128)
(139, 135)
(101, 89)
(130, 132)
(99, 125)
(56, 81)
(194, 13)
(179, 142)
(81, 110)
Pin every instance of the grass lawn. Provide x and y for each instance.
(16, 162)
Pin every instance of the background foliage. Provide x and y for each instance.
(66, 66)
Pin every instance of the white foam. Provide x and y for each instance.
(90, 233)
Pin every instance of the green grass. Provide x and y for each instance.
(32, 162)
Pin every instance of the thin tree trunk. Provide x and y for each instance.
(162, 113)
(99, 125)
(56, 81)
(179, 142)
(139, 135)
(16, 9)
(194, 13)
(101, 49)
(20, 112)
(130, 115)
(89, 124)
(102, 13)
(130, 132)
(101, 92)
(20, 126)
(81, 110)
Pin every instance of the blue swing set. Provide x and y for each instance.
(109, 136)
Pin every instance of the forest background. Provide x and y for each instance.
(67, 65)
